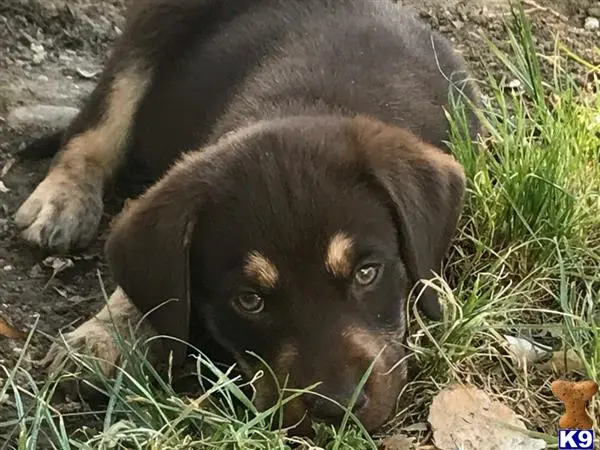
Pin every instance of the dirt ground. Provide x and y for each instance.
(50, 53)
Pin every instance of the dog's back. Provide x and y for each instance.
(186, 72)
(270, 58)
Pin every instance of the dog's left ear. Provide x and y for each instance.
(148, 249)
(425, 188)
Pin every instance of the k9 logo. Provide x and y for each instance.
(575, 439)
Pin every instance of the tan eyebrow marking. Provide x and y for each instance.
(338, 258)
(261, 269)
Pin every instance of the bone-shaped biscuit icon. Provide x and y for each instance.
(575, 396)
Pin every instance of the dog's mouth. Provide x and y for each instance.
(306, 388)
(372, 406)
(299, 414)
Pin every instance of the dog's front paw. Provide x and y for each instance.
(62, 213)
(92, 340)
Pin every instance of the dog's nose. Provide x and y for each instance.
(325, 409)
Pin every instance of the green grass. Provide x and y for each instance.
(525, 263)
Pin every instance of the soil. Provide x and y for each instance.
(50, 53)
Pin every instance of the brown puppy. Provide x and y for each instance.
(314, 193)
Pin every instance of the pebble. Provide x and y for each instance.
(46, 116)
(514, 84)
(36, 271)
(592, 23)
(594, 11)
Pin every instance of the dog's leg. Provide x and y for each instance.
(96, 337)
(65, 209)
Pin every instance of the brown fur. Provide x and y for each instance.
(283, 152)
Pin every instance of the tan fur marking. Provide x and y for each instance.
(362, 342)
(95, 336)
(261, 270)
(285, 359)
(119, 310)
(103, 146)
(266, 392)
(338, 256)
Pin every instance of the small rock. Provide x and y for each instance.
(7, 268)
(594, 11)
(458, 24)
(591, 23)
(39, 53)
(37, 48)
(3, 225)
(36, 271)
(38, 58)
(48, 116)
(514, 84)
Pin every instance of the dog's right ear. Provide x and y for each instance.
(148, 251)
(425, 189)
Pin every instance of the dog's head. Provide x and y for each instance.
(297, 240)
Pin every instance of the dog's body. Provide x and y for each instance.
(316, 187)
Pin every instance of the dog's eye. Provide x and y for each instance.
(251, 303)
(366, 274)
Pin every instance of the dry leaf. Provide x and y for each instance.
(87, 74)
(10, 332)
(57, 264)
(562, 362)
(466, 418)
(397, 442)
(11, 161)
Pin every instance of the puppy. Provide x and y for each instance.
(302, 188)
